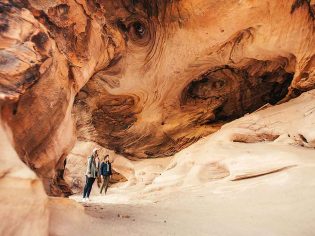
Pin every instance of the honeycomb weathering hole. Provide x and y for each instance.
(230, 93)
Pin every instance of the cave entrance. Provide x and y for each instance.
(229, 92)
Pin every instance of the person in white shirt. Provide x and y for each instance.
(91, 174)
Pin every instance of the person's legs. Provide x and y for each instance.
(106, 183)
(90, 183)
(85, 187)
(103, 184)
(89, 187)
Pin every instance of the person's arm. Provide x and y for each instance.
(88, 168)
(102, 168)
(98, 169)
(110, 170)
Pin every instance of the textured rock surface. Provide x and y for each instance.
(151, 77)
(265, 183)
(23, 201)
(146, 79)
(48, 52)
(190, 66)
(258, 144)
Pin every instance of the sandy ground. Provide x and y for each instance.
(277, 204)
(280, 203)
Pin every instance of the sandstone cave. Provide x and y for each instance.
(215, 98)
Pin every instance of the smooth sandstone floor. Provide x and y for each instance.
(275, 204)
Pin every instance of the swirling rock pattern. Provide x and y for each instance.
(190, 66)
(143, 78)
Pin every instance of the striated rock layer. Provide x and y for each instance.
(143, 78)
(48, 52)
(190, 66)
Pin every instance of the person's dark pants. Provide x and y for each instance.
(105, 183)
(88, 186)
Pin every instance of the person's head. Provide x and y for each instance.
(95, 152)
(106, 157)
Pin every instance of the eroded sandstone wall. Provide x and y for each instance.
(49, 50)
(143, 78)
(23, 201)
(191, 66)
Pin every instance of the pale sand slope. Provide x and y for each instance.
(203, 190)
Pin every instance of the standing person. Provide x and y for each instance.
(106, 172)
(91, 174)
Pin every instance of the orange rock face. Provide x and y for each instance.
(23, 200)
(48, 52)
(190, 66)
(143, 78)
